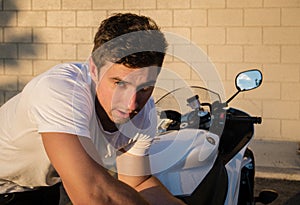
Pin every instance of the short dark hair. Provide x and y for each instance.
(129, 39)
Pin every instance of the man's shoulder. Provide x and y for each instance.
(68, 69)
(61, 81)
(64, 74)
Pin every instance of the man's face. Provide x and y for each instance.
(123, 91)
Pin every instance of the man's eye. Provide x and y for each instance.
(120, 83)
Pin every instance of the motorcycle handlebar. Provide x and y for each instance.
(254, 120)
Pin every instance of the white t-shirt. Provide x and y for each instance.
(60, 100)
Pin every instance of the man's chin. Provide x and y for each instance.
(119, 121)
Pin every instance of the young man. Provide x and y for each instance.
(77, 120)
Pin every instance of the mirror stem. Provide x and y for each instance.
(233, 97)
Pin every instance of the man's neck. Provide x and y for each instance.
(107, 124)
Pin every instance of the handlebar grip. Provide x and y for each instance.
(254, 120)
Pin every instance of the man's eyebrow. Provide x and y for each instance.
(149, 83)
(119, 79)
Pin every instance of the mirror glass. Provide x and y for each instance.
(248, 80)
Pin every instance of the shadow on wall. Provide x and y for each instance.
(13, 40)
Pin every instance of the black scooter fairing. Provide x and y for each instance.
(236, 134)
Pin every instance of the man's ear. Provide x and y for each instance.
(94, 70)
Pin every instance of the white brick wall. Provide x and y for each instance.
(236, 35)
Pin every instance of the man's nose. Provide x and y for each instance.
(133, 104)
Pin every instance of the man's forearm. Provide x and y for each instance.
(106, 190)
(88, 182)
(156, 193)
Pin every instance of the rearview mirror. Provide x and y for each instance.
(248, 80)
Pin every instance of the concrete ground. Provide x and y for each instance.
(278, 168)
(276, 159)
(288, 190)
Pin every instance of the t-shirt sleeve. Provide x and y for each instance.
(62, 104)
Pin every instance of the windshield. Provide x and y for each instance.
(177, 99)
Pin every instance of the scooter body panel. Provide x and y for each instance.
(193, 154)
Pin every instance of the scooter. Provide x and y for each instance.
(201, 152)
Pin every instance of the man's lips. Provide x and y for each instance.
(122, 114)
(125, 114)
